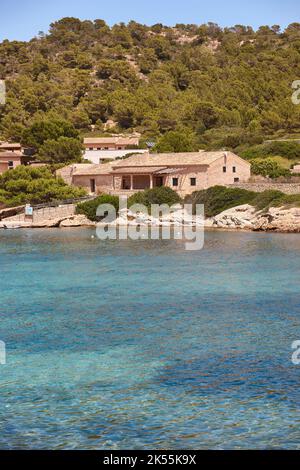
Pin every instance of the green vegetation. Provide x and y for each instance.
(177, 141)
(214, 87)
(41, 131)
(268, 167)
(219, 198)
(89, 208)
(161, 195)
(34, 185)
(272, 159)
(53, 140)
(289, 150)
(63, 150)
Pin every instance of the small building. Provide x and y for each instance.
(110, 143)
(10, 160)
(183, 172)
(101, 149)
(93, 178)
(10, 147)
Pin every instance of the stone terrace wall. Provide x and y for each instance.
(287, 188)
(47, 213)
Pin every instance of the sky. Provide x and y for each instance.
(23, 19)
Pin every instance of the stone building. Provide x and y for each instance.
(183, 172)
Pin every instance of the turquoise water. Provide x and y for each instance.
(142, 345)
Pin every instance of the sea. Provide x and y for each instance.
(141, 344)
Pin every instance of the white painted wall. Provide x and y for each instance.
(95, 156)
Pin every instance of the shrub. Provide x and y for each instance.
(89, 208)
(160, 195)
(268, 167)
(288, 200)
(289, 150)
(219, 198)
(267, 199)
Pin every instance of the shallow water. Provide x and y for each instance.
(142, 345)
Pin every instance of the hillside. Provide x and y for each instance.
(220, 87)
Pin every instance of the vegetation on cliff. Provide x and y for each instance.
(185, 87)
(219, 198)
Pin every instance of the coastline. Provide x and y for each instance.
(240, 218)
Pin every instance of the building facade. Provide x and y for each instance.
(12, 154)
(101, 149)
(10, 147)
(110, 143)
(183, 172)
(10, 160)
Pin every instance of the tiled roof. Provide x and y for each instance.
(9, 145)
(138, 170)
(111, 140)
(171, 159)
(152, 163)
(10, 154)
(87, 169)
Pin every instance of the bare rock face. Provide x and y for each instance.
(279, 219)
(240, 217)
(246, 217)
(77, 221)
(178, 217)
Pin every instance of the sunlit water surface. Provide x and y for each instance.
(142, 345)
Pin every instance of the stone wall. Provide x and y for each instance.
(287, 188)
(103, 183)
(47, 213)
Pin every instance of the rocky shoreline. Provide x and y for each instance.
(72, 221)
(244, 217)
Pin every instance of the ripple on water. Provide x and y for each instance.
(127, 345)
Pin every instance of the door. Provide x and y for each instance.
(93, 186)
(158, 181)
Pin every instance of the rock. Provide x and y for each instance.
(279, 219)
(246, 217)
(178, 217)
(77, 221)
(240, 217)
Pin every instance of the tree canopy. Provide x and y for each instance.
(27, 184)
(231, 86)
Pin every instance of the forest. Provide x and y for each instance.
(184, 87)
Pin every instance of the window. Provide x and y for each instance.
(98, 148)
(224, 169)
(175, 181)
(193, 181)
(234, 169)
(10, 165)
(236, 180)
(91, 148)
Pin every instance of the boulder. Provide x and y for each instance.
(79, 220)
(278, 219)
(239, 217)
